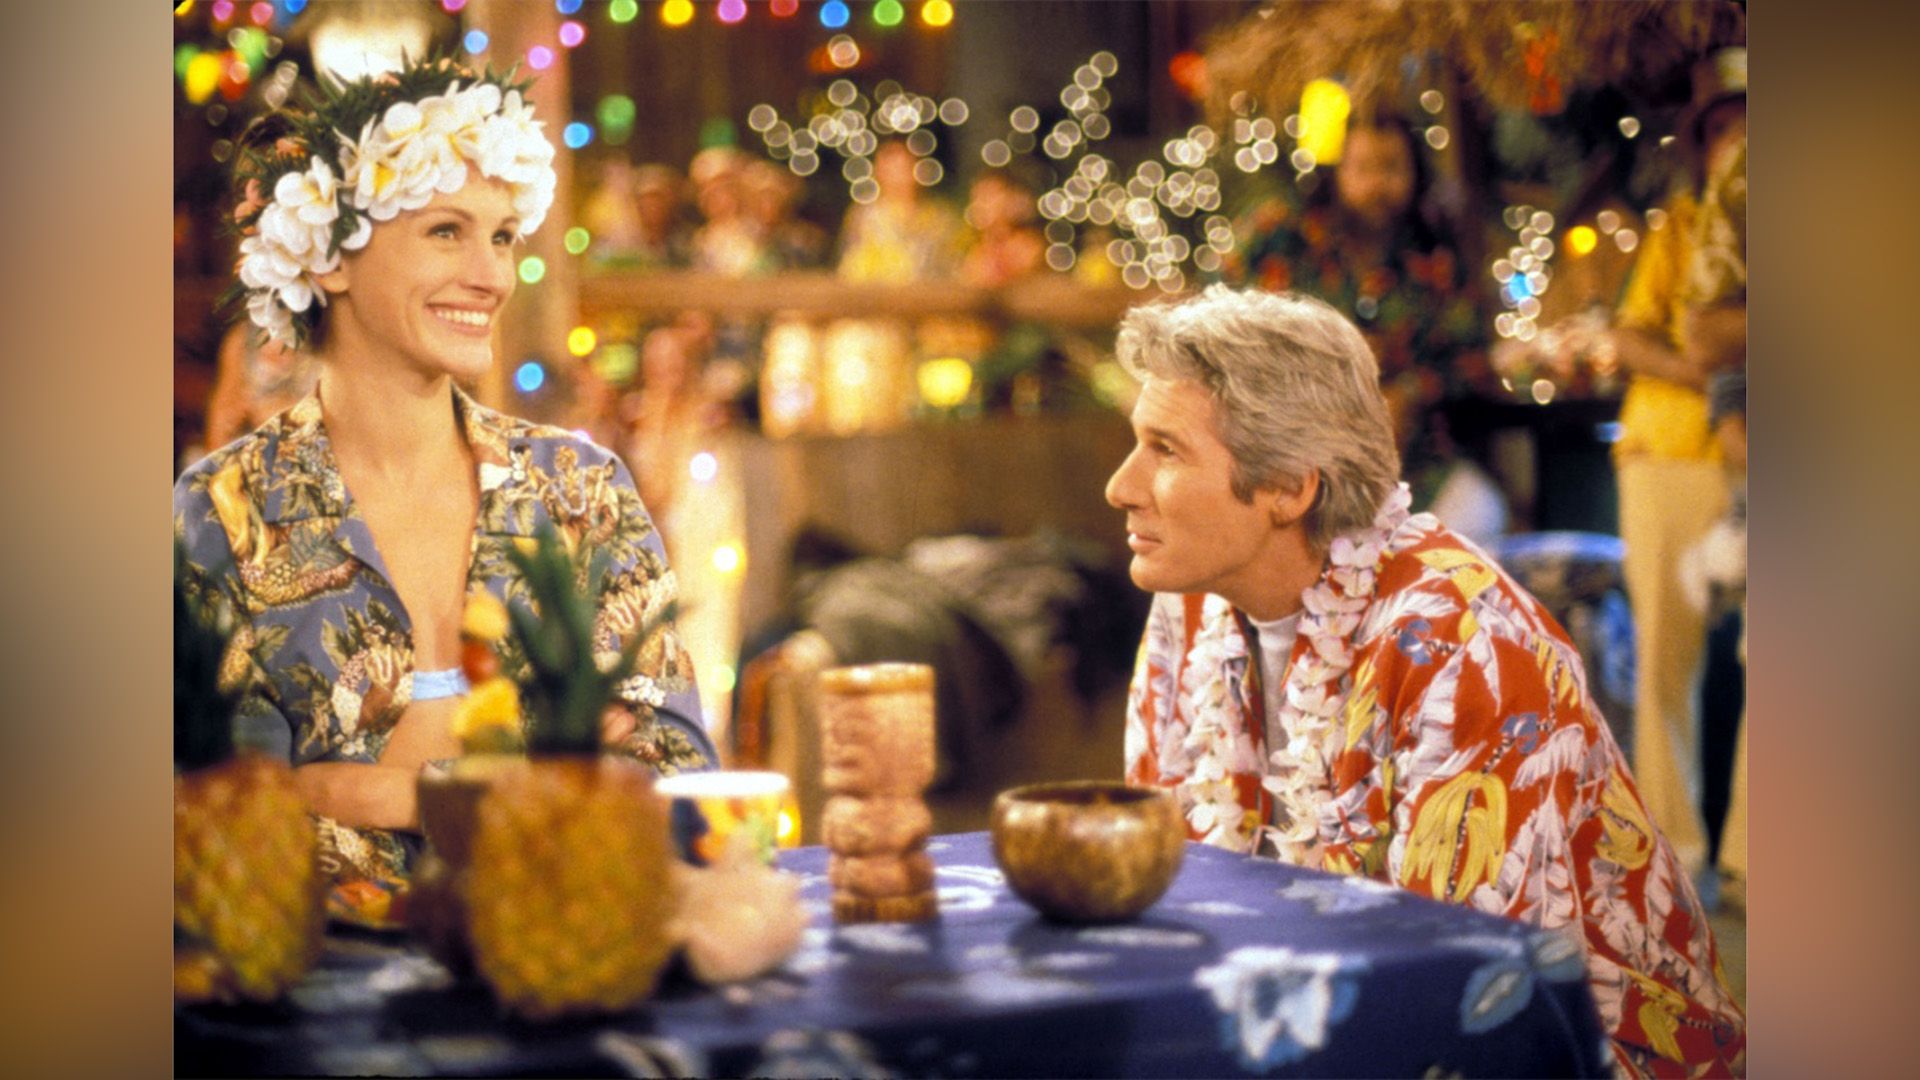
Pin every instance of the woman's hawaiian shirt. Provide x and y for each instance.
(273, 537)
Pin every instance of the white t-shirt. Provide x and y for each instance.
(1275, 646)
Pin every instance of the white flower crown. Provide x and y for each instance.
(400, 160)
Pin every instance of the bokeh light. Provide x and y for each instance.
(833, 14)
(732, 11)
(581, 340)
(726, 558)
(539, 58)
(784, 8)
(616, 113)
(203, 75)
(703, 467)
(572, 33)
(530, 376)
(567, 7)
(888, 13)
(576, 240)
(532, 269)
(475, 41)
(676, 12)
(1581, 239)
(945, 382)
(1324, 106)
(623, 11)
(576, 135)
(936, 12)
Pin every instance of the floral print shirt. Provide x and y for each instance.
(324, 647)
(1468, 763)
(1416, 307)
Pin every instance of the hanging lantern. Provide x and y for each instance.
(1324, 106)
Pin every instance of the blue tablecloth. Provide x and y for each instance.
(1244, 968)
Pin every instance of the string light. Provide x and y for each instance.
(676, 12)
(732, 11)
(936, 12)
(833, 14)
(888, 13)
(623, 11)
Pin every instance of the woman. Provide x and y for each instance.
(346, 534)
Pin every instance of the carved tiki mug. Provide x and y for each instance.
(876, 736)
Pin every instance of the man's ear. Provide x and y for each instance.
(1287, 507)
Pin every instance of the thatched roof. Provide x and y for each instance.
(1516, 54)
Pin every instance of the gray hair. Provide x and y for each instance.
(1295, 388)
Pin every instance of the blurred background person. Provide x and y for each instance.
(255, 380)
(772, 196)
(1668, 463)
(1369, 241)
(666, 240)
(1005, 245)
(901, 235)
(728, 241)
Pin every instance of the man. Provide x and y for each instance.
(1327, 677)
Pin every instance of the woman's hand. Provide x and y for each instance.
(362, 796)
(617, 725)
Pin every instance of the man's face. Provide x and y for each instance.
(1187, 530)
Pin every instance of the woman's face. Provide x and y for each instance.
(1374, 179)
(426, 290)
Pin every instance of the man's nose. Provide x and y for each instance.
(1120, 492)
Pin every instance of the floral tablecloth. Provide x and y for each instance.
(1243, 968)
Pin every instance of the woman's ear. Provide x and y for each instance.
(335, 280)
(1287, 507)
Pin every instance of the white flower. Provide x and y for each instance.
(1279, 1005)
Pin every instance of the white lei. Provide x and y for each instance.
(1217, 746)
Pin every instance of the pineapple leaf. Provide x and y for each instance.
(567, 689)
(202, 710)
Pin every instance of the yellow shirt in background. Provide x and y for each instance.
(1659, 418)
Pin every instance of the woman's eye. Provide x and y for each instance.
(505, 239)
(448, 230)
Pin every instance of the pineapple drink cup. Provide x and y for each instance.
(248, 894)
(569, 901)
